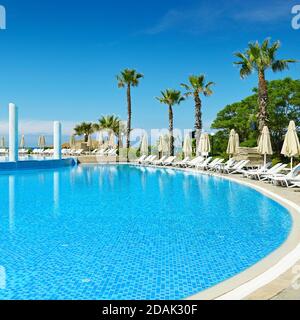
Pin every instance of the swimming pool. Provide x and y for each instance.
(126, 232)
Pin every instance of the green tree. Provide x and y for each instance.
(128, 78)
(84, 129)
(260, 58)
(284, 105)
(197, 86)
(171, 98)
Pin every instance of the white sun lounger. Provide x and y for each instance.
(288, 178)
(78, 152)
(112, 153)
(204, 164)
(159, 161)
(258, 172)
(151, 159)
(101, 152)
(182, 162)
(143, 157)
(295, 183)
(194, 162)
(169, 161)
(269, 175)
(236, 168)
(229, 163)
(254, 172)
(23, 151)
(213, 167)
(3, 151)
(146, 159)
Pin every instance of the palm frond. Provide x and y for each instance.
(129, 77)
(280, 65)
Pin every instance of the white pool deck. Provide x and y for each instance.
(275, 277)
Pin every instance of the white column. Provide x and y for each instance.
(57, 140)
(13, 133)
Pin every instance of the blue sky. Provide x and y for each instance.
(59, 59)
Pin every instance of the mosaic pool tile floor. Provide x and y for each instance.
(122, 232)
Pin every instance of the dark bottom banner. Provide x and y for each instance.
(142, 309)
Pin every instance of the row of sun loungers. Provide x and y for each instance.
(265, 173)
(3, 151)
(275, 176)
(65, 152)
(200, 163)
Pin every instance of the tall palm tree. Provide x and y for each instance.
(84, 129)
(171, 98)
(128, 78)
(197, 86)
(260, 58)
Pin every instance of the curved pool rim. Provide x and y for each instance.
(264, 271)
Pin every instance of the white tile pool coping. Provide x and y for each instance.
(268, 269)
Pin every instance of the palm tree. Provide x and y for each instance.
(197, 85)
(171, 97)
(85, 129)
(260, 58)
(111, 123)
(128, 78)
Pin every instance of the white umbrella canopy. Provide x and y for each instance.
(100, 139)
(166, 145)
(291, 145)
(144, 145)
(111, 140)
(160, 144)
(237, 142)
(89, 142)
(72, 141)
(22, 142)
(42, 142)
(204, 144)
(2, 143)
(232, 143)
(187, 146)
(264, 145)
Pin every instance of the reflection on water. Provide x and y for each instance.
(11, 203)
(2, 277)
(27, 157)
(56, 192)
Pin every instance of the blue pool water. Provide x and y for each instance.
(122, 232)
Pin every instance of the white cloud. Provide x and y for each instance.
(36, 127)
(266, 13)
(211, 16)
(192, 20)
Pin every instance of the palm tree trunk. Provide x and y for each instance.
(128, 121)
(171, 128)
(198, 118)
(86, 137)
(262, 101)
